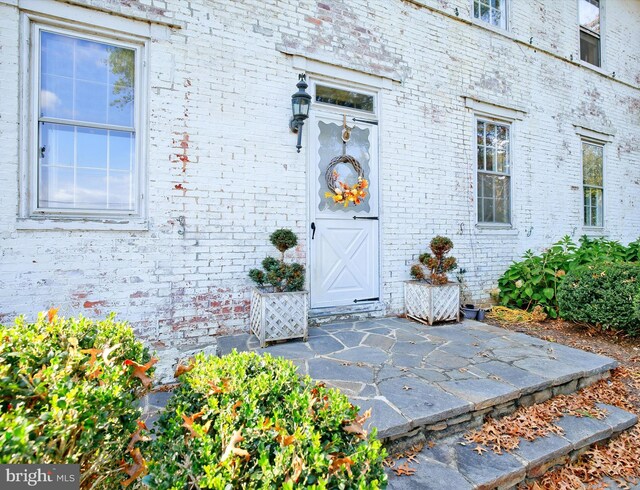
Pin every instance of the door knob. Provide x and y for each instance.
(313, 230)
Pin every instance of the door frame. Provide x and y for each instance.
(321, 108)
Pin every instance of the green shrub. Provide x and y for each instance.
(534, 281)
(249, 421)
(68, 395)
(281, 276)
(603, 295)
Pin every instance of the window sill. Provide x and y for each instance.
(490, 27)
(591, 66)
(83, 224)
(597, 232)
(506, 230)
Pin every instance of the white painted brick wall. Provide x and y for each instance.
(221, 86)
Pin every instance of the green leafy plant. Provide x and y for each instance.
(249, 421)
(69, 394)
(534, 281)
(602, 294)
(437, 264)
(281, 276)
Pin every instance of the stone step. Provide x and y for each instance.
(452, 463)
(425, 382)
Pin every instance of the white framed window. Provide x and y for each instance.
(590, 45)
(85, 142)
(493, 163)
(493, 12)
(593, 183)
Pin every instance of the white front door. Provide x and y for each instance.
(344, 263)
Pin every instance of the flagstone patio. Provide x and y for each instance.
(433, 379)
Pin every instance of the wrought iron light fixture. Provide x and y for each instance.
(300, 104)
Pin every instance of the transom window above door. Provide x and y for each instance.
(493, 12)
(344, 98)
(86, 117)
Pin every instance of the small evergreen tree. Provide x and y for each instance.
(281, 276)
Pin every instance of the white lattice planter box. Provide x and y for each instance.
(430, 303)
(278, 316)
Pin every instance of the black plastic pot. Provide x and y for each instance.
(480, 315)
(469, 312)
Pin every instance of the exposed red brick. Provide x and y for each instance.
(313, 20)
(93, 304)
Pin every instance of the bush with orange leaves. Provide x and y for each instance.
(437, 264)
(69, 395)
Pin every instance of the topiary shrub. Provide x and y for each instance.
(281, 276)
(69, 395)
(603, 295)
(249, 421)
(438, 265)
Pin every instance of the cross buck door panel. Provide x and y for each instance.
(344, 230)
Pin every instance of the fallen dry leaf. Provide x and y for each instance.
(285, 439)
(356, 425)
(232, 449)
(52, 314)
(404, 470)
(188, 423)
(135, 470)
(297, 465)
(218, 389)
(337, 463)
(106, 352)
(137, 436)
(181, 369)
(479, 450)
(140, 370)
(94, 355)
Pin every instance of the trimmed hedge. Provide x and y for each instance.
(68, 394)
(249, 421)
(606, 295)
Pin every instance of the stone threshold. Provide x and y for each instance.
(453, 463)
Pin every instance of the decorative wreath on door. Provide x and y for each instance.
(341, 192)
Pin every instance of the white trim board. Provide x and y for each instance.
(594, 134)
(494, 109)
(89, 15)
(337, 72)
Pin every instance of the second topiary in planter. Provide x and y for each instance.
(279, 304)
(431, 297)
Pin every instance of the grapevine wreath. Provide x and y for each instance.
(340, 191)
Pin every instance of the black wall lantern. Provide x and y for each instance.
(300, 104)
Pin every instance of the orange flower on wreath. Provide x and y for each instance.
(345, 194)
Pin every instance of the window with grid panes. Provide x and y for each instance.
(86, 124)
(493, 12)
(593, 184)
(589, 11)
(493, 156)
